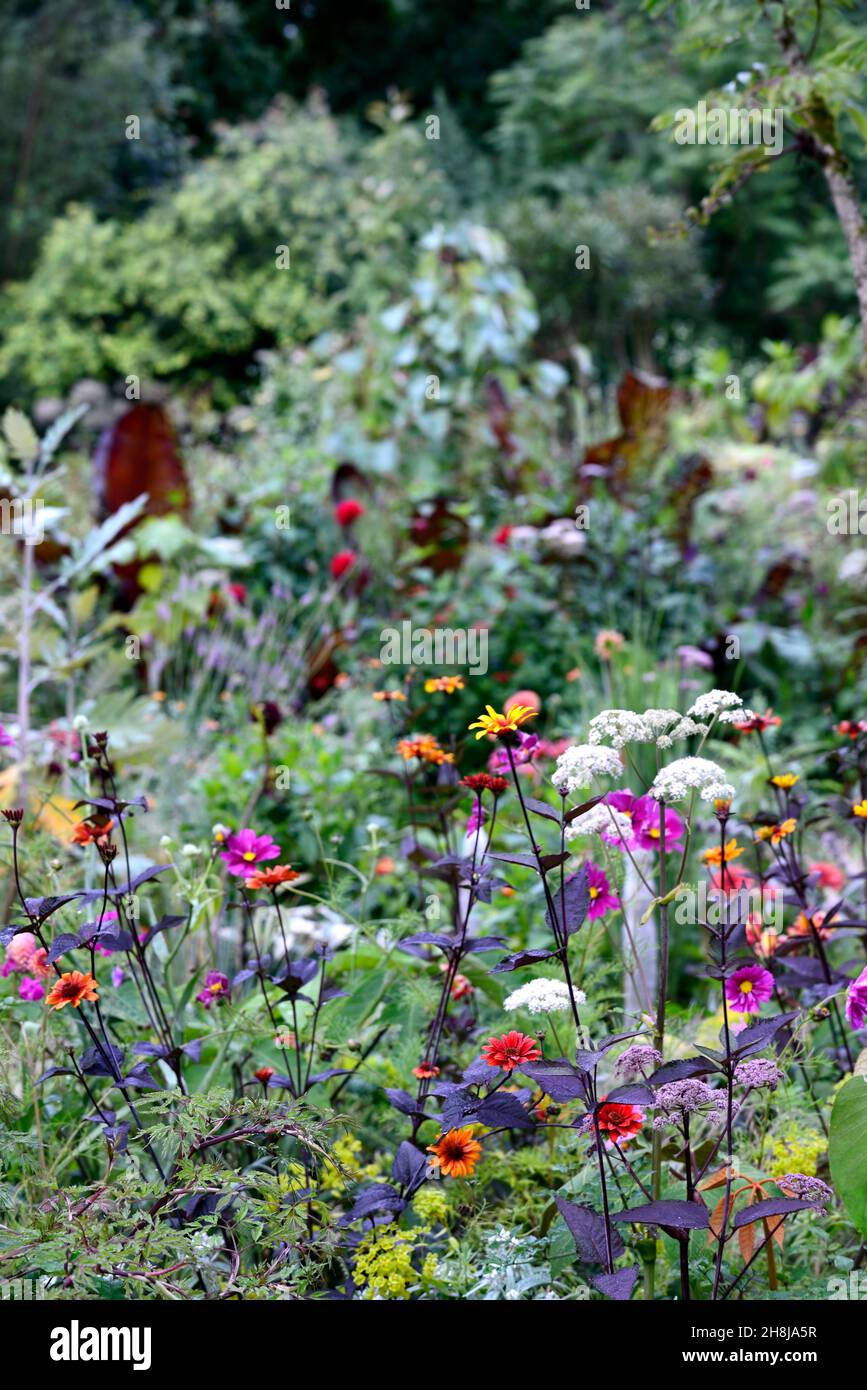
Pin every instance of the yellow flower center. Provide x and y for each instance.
(746, 986)
(250, 857)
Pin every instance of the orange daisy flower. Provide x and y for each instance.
(496, 724)
(388, 695)
(272, 878)
(72, 988)
(776, 833)
(717, 855)
(424, 1071)
(264, 1075)
(446, 684)
(88, 831)
(426, 748)
(456, 1153)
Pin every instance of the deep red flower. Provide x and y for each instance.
(619, 1123)
(348, 511)
(851, 728)
(484, 782)
(264, 1075)
(511, 1050)
(341, 562)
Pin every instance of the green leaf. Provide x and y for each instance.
(847, 1149)
(20, 435)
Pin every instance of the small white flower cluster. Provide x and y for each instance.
(735, 716)
(543, 997)
(659, 726)
(599, 818)
(617, 727)
(684, 775)
(577, 767)
(714, 702)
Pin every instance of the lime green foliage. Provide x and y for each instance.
(292, 221)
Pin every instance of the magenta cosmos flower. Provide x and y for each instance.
(645, 823)
(749, 988)
(856, 1000)
(31, 991)
(602, 899)
(245, 850)
(217, 987)
(625, 802)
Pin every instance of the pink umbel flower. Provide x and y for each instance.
(645, 823)
(245, 850)
(749, 988)
(856, 1001)
(602, 899)
(31, 991)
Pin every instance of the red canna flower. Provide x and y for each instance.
(511, 1050)
(72, 988)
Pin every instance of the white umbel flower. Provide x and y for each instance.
(735, 716)
(600, 819)
(543, 997)
(580, 764)
(660, 726)
(618, 727)
(684, 775)
(713, 703)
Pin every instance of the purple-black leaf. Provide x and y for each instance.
(684, 1216)
(588, 1231)
(618, 1285)
(773, 1206)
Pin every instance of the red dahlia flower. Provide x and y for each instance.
(511, 1051)
(348, 511)
(619, 1123)
(341, 562)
